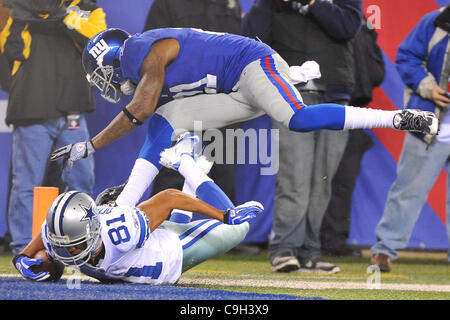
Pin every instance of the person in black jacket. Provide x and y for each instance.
(299, 31)
(209, 15)
(369, 73)
(48, 96)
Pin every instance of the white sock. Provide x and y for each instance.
(140, 179)
(193, 175)
(366, 118)
(186, 189)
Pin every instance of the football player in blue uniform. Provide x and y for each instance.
(179, 76)
(114, 243)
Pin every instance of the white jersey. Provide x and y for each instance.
(132, 253)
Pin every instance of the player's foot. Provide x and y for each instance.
(185, 145)
(416, 120)
(203, 163)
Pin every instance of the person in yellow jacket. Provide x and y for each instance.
(48, 96)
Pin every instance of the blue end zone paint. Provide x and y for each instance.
(20, 289)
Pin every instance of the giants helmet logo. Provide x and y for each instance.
(99, 50)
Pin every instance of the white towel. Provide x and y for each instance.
(307, 71)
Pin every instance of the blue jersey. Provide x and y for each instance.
(208, 62)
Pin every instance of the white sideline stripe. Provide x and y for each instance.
(315, 285)
(301, 285)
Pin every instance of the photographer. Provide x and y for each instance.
(320, 30)
(48, 96)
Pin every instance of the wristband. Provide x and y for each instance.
(132, 118)
(226, 216)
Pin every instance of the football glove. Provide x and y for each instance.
(23, 264)
(243, 213)
(73, 152)
(109, 195)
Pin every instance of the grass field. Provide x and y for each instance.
(415, 276)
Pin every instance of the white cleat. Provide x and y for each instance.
(416, 120)
(185, 145)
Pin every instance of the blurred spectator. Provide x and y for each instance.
(48, 96)
(5, 77)
(210, 15)
(369, 73)
(299, 31)
(423, 64)
(4, 84)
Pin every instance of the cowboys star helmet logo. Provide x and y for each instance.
(89, 213)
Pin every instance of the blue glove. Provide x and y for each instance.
(23, 264)
(243, 213)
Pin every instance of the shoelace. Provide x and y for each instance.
(410, 122)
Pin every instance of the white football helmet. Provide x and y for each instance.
(73, 220)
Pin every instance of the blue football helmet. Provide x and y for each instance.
(101, 61)
(72, 220)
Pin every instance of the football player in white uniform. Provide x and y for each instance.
(138, 244)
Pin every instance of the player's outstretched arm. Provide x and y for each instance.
(136, 112)
(146, 95)
(159, 206)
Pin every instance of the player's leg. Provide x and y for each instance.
(204, 239)
(159, 136)
(207, 111)
(182, 216)
(169, 121)
(265, 83)
(181, 157)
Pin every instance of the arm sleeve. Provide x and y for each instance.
(15, 41)
(411, 56)
(86, 25)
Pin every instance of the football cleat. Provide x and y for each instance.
(185, 145)
(416, 120)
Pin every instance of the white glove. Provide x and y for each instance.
(73, 152)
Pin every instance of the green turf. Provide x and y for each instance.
(409, 270)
